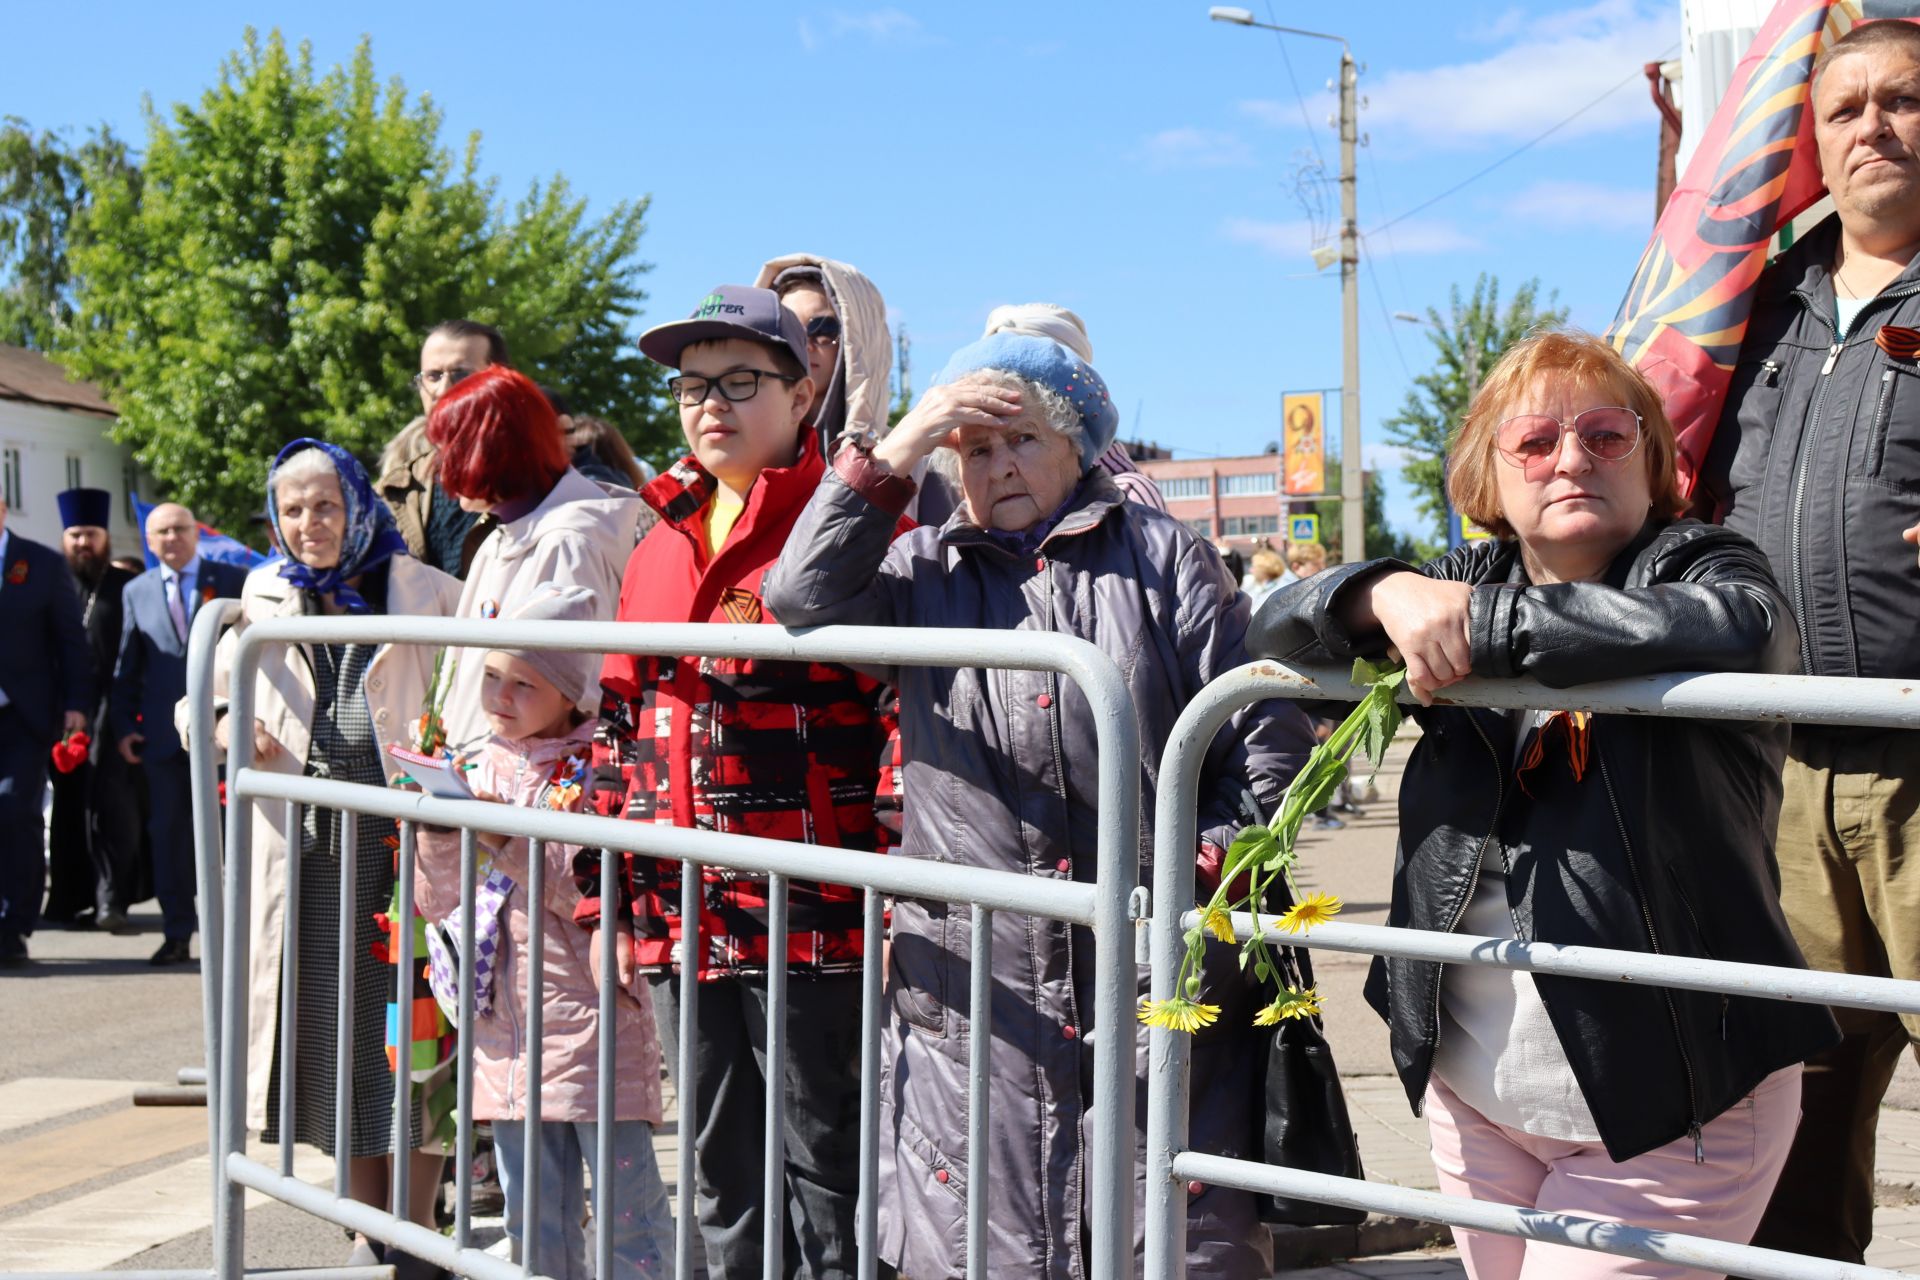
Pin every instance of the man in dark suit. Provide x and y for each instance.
(148, 680)
(94, 868)
(44, 693)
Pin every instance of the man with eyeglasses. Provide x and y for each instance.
(1817, 459)
(437, 531)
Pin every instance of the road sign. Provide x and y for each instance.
(1303, 528)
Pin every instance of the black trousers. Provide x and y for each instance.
(74, 885)
(726, 1118)
(23, 828)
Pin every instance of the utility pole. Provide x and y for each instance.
(1353, 506)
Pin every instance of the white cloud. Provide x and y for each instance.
(1194, 149)
(1582, 204)
(1555, 65)
(878, 25)
(808, 40)
(1294, 239)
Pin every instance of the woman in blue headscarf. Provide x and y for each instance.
(329, 711)
(1002, 772)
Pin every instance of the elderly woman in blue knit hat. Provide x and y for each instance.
(1001, 772)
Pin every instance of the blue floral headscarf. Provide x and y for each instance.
(370, 539)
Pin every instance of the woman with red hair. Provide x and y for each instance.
(501, 454)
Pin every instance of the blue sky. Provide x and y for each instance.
(1133, 161)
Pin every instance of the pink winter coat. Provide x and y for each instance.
(518, 772)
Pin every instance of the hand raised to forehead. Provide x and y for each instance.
(934, 423)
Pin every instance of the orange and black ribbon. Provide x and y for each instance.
(1576, 727)
(1900, 343)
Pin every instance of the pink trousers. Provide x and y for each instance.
(1662, 1190)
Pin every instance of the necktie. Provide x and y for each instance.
(174, 605)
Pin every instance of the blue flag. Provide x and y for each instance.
(214, 545)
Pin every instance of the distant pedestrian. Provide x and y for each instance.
(149, 679)
(45, 694)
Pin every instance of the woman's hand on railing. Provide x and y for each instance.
(1427, 628)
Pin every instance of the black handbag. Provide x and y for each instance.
(1305, 1115)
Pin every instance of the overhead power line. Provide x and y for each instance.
(1634, 75)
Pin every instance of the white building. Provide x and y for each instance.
(54, 436)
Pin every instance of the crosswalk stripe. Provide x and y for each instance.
(76, 1153)
(97, 1230)
(34, 1099)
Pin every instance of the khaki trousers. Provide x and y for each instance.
(1849, 854)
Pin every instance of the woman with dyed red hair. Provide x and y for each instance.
(501, 454)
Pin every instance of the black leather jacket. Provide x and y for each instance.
(1665, 846)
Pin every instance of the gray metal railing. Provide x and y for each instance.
(1170, 1164)
(1101, 905)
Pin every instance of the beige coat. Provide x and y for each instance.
(580, 535)
(396, 689)
(518, 772)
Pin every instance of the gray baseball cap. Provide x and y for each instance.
(729, 311)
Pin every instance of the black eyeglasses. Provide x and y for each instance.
(823, 329)
(741, 384)
(434, 377)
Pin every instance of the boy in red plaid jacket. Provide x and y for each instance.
(782, 750)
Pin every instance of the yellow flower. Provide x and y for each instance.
(1218, 923)
(1178, 1014)
(1315, 908)
(1289, 1004)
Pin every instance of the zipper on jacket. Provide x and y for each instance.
(1680, 890)
(1798, 511)
(1473, 884)
(1653, 940)
(1770, 373)
(1876, 434)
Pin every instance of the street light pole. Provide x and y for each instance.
(1353, 507)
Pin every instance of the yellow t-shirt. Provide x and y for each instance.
(722, 513)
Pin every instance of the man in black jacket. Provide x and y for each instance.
(93, 855)
(1817, 459)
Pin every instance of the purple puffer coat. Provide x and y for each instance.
(1001, 772)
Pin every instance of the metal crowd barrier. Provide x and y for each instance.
(1103, 905)
(1170, 1164)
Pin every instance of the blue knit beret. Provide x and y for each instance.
(1046, 362)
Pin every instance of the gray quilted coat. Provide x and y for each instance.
(1000, 772)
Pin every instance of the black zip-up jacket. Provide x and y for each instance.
(1817, 459)
(1665, 846)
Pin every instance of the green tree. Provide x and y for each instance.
(1467, 342)
(43, 190)
(291, 238)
